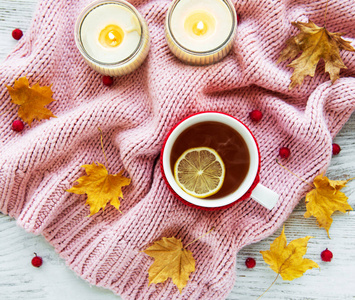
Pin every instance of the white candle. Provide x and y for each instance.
(112, 37)
(200, 31)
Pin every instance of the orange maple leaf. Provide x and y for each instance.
(31, 100)
(287, 260)
(315, 43)
(100, 187)
(325, 199)
(172, 260)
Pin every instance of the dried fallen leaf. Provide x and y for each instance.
(31, 100)
(315, 43)
(325, 199)
(172, 260)
(287, 260)
(100, 187)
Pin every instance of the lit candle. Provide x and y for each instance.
(200, 31)
(112, 37)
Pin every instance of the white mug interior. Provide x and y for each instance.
(237, 126)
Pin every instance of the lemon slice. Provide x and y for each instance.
(200, 172)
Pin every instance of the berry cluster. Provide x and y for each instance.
(284, 152)
(326, 255)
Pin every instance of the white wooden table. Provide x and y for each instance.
(54, 281)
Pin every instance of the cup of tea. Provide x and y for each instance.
(211, 160)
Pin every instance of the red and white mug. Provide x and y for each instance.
(250, 187)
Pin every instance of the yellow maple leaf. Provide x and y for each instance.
(31, 100)
(315, 43)
(100, 187)
(171, 260)
(325, 199)
(287, 260)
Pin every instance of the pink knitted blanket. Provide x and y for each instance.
(135, 114)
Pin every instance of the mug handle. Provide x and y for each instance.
(264, 196)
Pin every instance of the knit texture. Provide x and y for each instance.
(135, 114)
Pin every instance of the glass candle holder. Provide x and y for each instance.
(112, 37)
(200, 32)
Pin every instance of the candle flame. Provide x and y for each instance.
(200, 25)
(111, 36)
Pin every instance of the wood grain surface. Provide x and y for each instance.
(54, 280)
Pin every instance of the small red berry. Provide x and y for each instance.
(250, 262)
(238, 19)
(17, 34)
(336, 149)
(256, 115)
(107, 80)
(284, 152)
(37, 261)
(326, 255)
(18, 125)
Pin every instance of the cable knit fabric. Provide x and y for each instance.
(135, 114)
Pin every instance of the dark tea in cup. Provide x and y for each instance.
(226, 141)
(233, 157)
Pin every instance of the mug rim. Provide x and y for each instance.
(249, 183)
